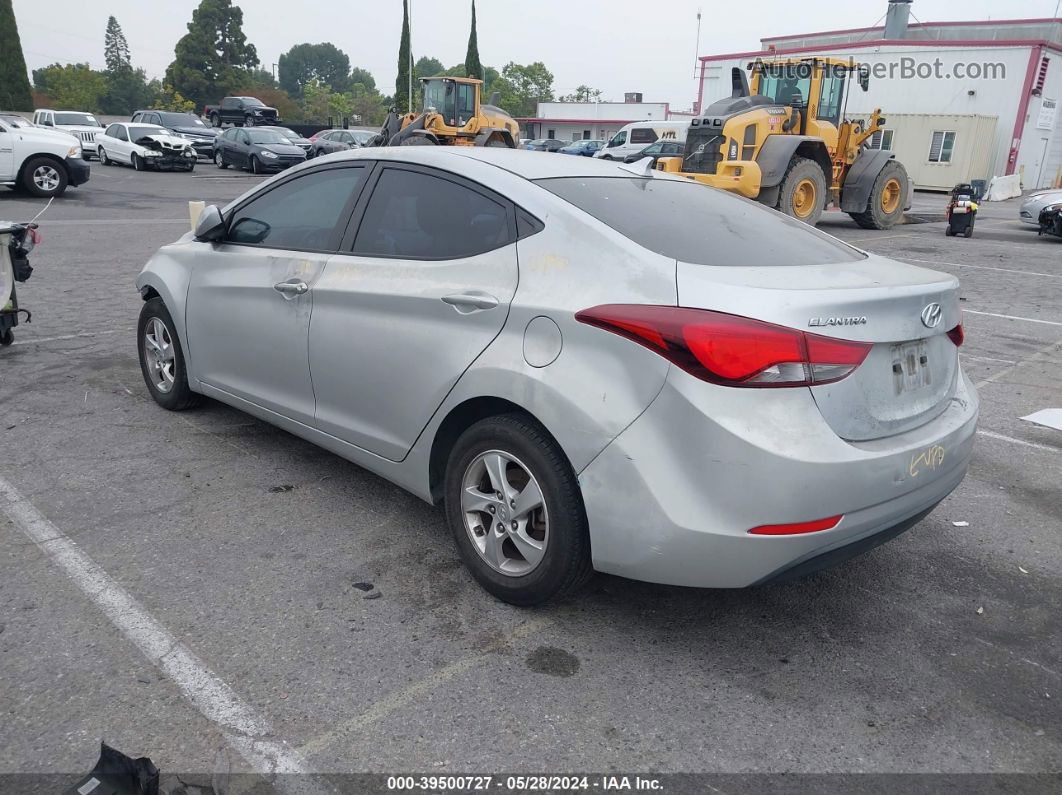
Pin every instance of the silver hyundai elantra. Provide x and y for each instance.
(591, 366)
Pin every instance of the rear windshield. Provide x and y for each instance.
(693, 223)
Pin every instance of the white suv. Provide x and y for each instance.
(82, 126)
(40, 161)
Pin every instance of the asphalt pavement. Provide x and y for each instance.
(245, 552)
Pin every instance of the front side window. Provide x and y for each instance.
(643, 135)
(304, 214)
(942, 146)
(440, 95)
(619, 139)
(786, 84)
(413, 215)
(466, 103)
(680, 220)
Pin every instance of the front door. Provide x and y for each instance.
(7, 154)
(250, 297)
(424, 289)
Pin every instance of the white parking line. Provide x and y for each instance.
(980, 267)
(39, 340)
(247, 731)
(1022, 442)
(1039, 355)
(1013, 317)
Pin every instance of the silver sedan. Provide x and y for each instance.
(1035, 202)
(590, 366)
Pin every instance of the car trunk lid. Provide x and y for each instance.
(908, 377)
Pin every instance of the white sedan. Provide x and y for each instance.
(144, 146)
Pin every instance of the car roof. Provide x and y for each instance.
(521, 162)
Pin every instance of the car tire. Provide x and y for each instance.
(803, 191)
(256, 167)
(885, 205)
(968, 232)
(219, 160)
(248, 121)
(104, 160)
(560, 563)
(138, 162)
(165, 375)
(215, 120)
(44, 178)
(949, 232)
(7, 337)
(607, 157)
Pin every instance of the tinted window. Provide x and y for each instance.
(120, 134)
(303, 214)
(682, 220)
(643, 135)
(112, 131)
(417, 216)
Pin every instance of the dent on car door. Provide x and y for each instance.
(424, 290)
(250, 296)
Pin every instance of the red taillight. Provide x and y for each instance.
(957, 335)
(797, 527)
(729, 349)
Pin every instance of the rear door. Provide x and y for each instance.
(424, 289)
(250, 297)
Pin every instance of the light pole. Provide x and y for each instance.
(409, 98)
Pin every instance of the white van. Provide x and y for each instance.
(639, 134)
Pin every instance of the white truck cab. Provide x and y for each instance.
(637, 135)
(82, 126)
(40, 161)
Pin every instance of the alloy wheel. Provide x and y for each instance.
(46, 177)
(158, 353)
(504, 513)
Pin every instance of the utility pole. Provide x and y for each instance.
(697, 63)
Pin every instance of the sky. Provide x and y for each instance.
(613, 45)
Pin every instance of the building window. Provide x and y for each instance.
(586, 135)
(551, 133)
(942, 146)
(882, 139)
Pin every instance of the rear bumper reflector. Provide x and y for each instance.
(797, 528)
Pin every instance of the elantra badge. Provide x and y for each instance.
(932, 315)
(837, 321)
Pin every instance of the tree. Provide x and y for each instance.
(582, 94)
(72, 86)
(404, 58)
(115, 47)
(14, 85)
(211, 55)
(324, 63)
(473, 68)
(490, 74)
(363, 77)
(127, 90)
(166, 98)
(523, 87)
(427, 67)
(321, 104)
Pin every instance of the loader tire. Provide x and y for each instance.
(885, 205)
(803, 191)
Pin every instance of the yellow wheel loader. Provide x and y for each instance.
(785, 142)
(453, 115)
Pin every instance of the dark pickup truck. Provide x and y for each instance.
(244, 111)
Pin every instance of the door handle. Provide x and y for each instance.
(291, 287)
(471, 302)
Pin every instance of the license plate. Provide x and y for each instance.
(910, 367)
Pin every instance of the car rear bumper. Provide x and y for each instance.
(77, 171)
(672, 498)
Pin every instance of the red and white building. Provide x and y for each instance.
(977, 99)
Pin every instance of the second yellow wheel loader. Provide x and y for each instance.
(785, 141)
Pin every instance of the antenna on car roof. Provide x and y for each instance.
(641, 168)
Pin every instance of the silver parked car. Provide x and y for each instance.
(1034, 203)
(590, 366)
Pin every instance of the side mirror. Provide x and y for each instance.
(210, 228)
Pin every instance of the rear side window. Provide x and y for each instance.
(693, 223)
(643, 135)
(413, 215)
(308, 213)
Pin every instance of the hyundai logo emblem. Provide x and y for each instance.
(932, 315)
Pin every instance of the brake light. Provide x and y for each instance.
(957, 335)
(797, 528)
(729, 349)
